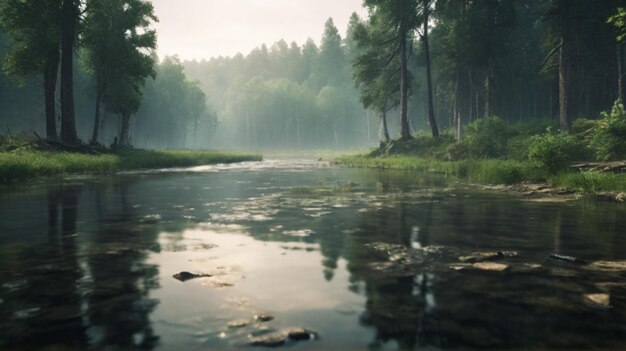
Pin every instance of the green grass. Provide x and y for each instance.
(591, 182)
(27, 163)
(478, 171)
(494, 171)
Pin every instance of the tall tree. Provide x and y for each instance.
(118, 45)
(619, 21)
(69, 22)
(401, 15)
(374, 73)
(429, 81)
(34, 28)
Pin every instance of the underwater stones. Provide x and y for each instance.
(184, 276)
(527, 268)
(239, 323)
(299, 334)
(486, 256)
(269, 340)
(394, 269)
(481, 266)
(263, 317)
(562, 258)
(600, 300)
(610, 266)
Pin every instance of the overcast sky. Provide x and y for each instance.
(197, 29)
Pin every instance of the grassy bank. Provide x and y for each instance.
(493, 171)
(26, 164)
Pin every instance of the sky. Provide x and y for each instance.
(201, 29)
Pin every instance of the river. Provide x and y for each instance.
(89, 262)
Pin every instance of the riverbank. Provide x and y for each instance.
(491, 172)
(29, 163)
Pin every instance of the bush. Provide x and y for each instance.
(554, 151)
(608, 136)
(487, 137)
(518, 146)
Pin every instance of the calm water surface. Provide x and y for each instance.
(88, 264)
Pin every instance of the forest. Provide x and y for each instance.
(435, 66)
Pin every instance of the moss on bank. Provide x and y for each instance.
(23, 164)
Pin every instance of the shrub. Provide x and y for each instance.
(487, 137)
(518, 146)
(554, 151)
(608, 136)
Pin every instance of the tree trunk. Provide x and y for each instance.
(405, 133)
(564, 63)
(96, 124)
(563, 86)
(369, 131)
(383, 118)
(457, 108)
(429, 82)
(51, 71)
(488, 94)
(69, 18)
(620, 73)
(125, 132)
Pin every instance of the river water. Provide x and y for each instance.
(89, 262)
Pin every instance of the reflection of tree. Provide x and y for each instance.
(50, 298)
(394, 306)
(119, 306)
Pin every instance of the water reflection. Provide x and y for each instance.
(89, 265)
(84, 283)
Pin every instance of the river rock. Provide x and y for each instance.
(611, 266)
(563, 258)
(263, 317)
(481, 266)
(300, 334)
(269, 340)
(598, 300)
(487, 256)
(184, 276)
(239, 323)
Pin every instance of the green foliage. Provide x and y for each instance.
(484, 138)
(619, 21)
(608, 135)
(34, 28)
(554, 151)
(588, 181)
(517, 147)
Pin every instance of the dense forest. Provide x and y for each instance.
(431, 65)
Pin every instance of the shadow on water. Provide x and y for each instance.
(89, 264)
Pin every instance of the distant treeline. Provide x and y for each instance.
(517, 59)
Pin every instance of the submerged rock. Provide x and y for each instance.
(608, 286)
(263, 317)
(395, 269)
(563, 258)
(269, 340)
(487, 256)
(239, 323)
(300, 334)
(481, 266)
(598, 300)
(184, 276)
(611, 266)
